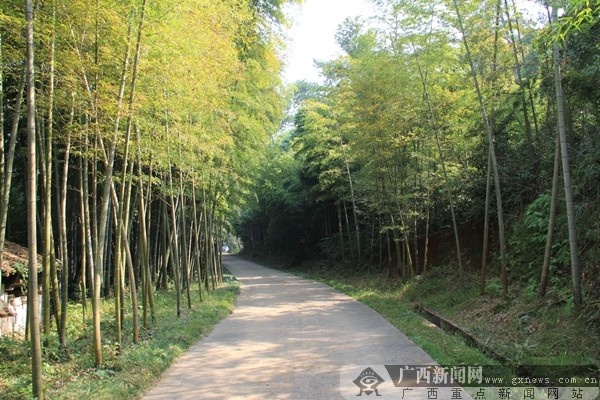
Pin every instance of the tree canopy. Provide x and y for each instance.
(438, 117)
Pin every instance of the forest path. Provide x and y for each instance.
(288, 338)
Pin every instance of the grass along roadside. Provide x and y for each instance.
(525, 329)
(124, 376)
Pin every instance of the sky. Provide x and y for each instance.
(312, 35)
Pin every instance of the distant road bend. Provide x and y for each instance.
(288, 338)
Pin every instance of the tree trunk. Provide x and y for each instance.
(185, 264)
(527, 82)
(131, 274)
(341, 231)
(520, 82)
(213, 255)
(409, 261)
(99, 258)
(150, 260)
(174, 243)
(2, 161)
(125, 199)
(48, 242)
(206, 243)
(120, 218)
(398, 246)
(486, 224)
(165, 244)
(486, 228)
(492, 151)
(198, 245)
(50, 283)
(354, 212)
(349, 233)
(148, 295)
(427, 220)
(566, 169)
(63, 234)
(551, 220)
(32, 303)
(89, 243)
(84, 232)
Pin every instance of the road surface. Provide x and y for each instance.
(288, 338)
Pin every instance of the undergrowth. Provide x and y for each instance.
(525, 329)
(126, 375)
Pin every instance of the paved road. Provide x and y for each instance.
(288, 338)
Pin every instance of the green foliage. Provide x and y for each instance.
(580, 14)
(22, 270)
(367, 140)
(528, 241)
(280, 220)
(493, 286)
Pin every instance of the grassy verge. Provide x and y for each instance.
(123, 376)
(525, 329)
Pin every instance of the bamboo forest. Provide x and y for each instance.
(143, 139)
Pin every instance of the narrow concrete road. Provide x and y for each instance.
(288, 338)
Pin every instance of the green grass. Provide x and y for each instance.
(124, 375)
(525, 329)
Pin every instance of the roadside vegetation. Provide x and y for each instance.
(73, 375)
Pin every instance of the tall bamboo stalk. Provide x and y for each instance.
(102, 227)
(63, 239)
(84, 232)
(207, 250)
(2, 160)
(492, 152)
(198, 245)
(551, 219)
(185, 261)
(566, 170)
(48, 242)
(174, 243)
(148, 296)
(33, 302)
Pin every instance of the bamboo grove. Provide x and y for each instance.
(459, 127)
(134, 127)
